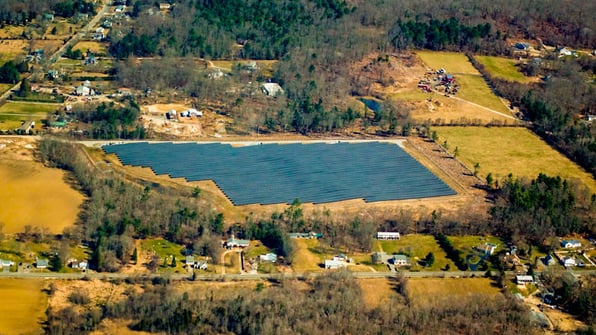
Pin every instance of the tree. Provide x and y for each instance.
(135, 256)
(429, 260)
(456, 152)
(476, 169)
(196, 192)
(56, 263)
(489, 180)
(173, 262)
(25, 89)
(434, 136)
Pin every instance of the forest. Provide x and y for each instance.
(19, 12)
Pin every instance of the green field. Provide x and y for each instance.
(467, 243)
(12, 114)
(503, 68)
(165, 250)
(473, 88)
(417, 247)
(23, 306)
(518, 151)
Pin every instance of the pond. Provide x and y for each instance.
(373, 104)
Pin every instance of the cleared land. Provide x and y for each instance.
(377, 292)
(503, 68)
(518, 151)
(95, 47)
(473, 88)
(429, 291)
(23, 306)
(417, 247)
(13, 114)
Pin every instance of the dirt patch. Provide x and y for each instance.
(427, 291)
(210, 124)
(98, 291)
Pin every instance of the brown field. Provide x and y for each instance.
(377, 292)
(23, 306)
(96, 47)
(426, 291)
(9, 49)
(11, 31)
(33, 194)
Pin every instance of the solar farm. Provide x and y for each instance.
(275, 173)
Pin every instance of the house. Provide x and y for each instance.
(487, 248)
(48, 16)
(83, 265)
(565, 52)
(234, 243)
(120, 8)
(523, 46)
(270, 257)
(548, 260)
(400, 260)
(164, 6)
(333, 264)
(26, 126)
(6, 263)
(41, 263)
(524, 279)
(125, 92)
(306, 235)
(380, 257)
(190, 261)
(568, 261)
(82, 90)
(568, 244)
(341, 258)
(385, 235)
(272, 89)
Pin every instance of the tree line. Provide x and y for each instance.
(18, 12)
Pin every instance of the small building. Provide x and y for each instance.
(190, 261)
(523, 46)
(272, 89)
(41, 263)
(380, 257)
(306, 235)
(125, 92)
(548, 260)
(164, 6)
(333, 264)
(565, 52)
(48, 16)
(269, 257)
(26, 126)
(400, 260)
(6, 263)
(386, 235)
(120, 8)
(83, 265)
(568, 261)
(235, 243)
(341, 258)
(524, 279)
(569, 244)
(82, 90)
(487, 248)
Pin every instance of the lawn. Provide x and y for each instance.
(427, 291)
(466, 244)
(23, 306)
(255, 249)
(416, 247)
(96, 47)
(164, 249)
(4, 87)
(473, 88)
(35, 195)
(309, 255)
(12, 114)
(503, 68)
(518, 151)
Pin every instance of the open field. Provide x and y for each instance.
(466, 244)
(10, 31)
(503, 68)
(416, 247)
(96, 47)
(166, 250)
(12, 114)
(518, 151)
(37, 196)
(264, 65)
(377, 292)
(23, 306)
(307, 256)
(429, 291)
(9, 49)
(473, 88)
(4, 87)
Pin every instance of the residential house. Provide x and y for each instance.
(235, 243)
(487, 248)
(548, 260)
(523, 46)
(6, 263)
(380, 257)
(269, 257)
(125, 92)
(272, 89)
(565, 52)
(568, 244)
(400, 260)
(26, 127)
(82, 90)
(41, 263)
(568, 261)
(164, 6)
(48, 16)
(190, 261)
(306, 235)
(386, 235)
(120, 8)
(333, 264)
(524, 279)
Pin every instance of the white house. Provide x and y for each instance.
(269, 257)
(386, 235)
(487, 248)
(568, 244)
(5, 263)
(82, 90)
(272, 89)
(400, 260)
(333, 264)
(568, 261)
(524, 279)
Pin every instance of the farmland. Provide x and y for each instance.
(13, 114)
(525, 154)
(95, 47)
(23, 306)
(416, 247)
(503, 68)
(275, 173)
(427, 291)
(473, 86)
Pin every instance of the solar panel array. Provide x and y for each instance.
(280, 173)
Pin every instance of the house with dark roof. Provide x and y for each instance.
(568, 244)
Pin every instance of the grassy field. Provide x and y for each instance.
(12, 114)
(308, 256)
(504, 68)
(35, 195)
(96, 47)
(466, 244)
(426, 291)
(377, 292)
(166, 250)
(23, 306)
(518, 151)
(417, 247)
(473, 88)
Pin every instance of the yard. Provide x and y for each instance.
(473, 88)
(502, 151)
(416, 247)
(97, 48)
(13, 114)
(430, 291)
(503, 68)
(309, 255)
(166, 251)
(23, 306)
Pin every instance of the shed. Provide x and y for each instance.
(522, 46)
(524, 279)
(269, 257)
(568, 261)
(190, 260)
(568, 244)
(233, 243)
(333, 264)
(272, 89)
(41, 263)
(386, 235)
(548, 260)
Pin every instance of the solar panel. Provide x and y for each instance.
(272, 173)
